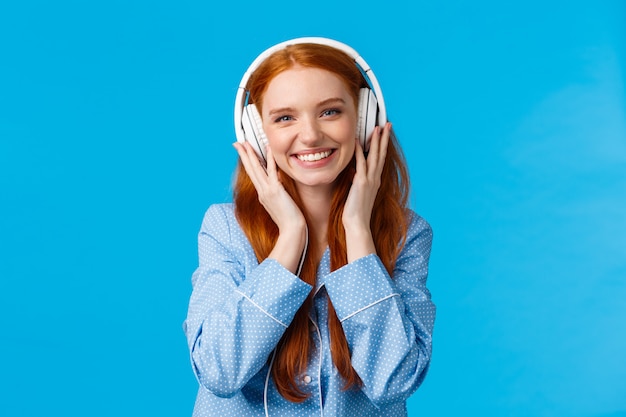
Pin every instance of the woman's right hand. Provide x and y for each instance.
(278, 204)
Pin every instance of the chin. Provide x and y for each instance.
(316, 182)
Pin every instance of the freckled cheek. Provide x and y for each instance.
(280, 145)
(349, 130)
(277, 142)
(350, 137)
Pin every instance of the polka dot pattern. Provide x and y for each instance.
(239, 309)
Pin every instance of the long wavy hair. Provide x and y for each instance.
(388, 220)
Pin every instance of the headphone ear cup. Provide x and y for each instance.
(253, 131)
(368, 115)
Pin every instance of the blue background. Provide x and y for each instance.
(115, 136)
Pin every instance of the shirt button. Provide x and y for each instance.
(307, 379)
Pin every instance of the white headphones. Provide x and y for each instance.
(371, 110)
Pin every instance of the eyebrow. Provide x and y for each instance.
(322, 103)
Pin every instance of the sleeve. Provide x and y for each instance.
(388, 323)
(238, 309)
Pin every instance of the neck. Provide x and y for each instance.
(317, 206)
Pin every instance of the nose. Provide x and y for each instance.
(310, 132)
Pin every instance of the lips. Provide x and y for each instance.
(313, 157)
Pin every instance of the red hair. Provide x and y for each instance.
(388, 221)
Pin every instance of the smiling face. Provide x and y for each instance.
(309, 117)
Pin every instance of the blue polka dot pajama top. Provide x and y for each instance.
(239, 309)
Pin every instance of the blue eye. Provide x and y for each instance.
(331, 112)
(282, 119)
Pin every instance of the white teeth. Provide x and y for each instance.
(311, 157)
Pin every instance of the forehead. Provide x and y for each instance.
(303, 84)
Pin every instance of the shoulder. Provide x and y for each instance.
(219, 220)
(223, 212)
(419, 237)
(418, 226)
(220, 227)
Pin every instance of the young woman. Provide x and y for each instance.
(310, 298)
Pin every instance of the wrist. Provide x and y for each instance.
(358, 229)
(292, 226)
(359, 243)
(290, 246)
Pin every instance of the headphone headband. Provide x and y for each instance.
(240, 99)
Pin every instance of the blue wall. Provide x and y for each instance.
(115, 136)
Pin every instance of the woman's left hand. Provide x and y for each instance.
(357, 211)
